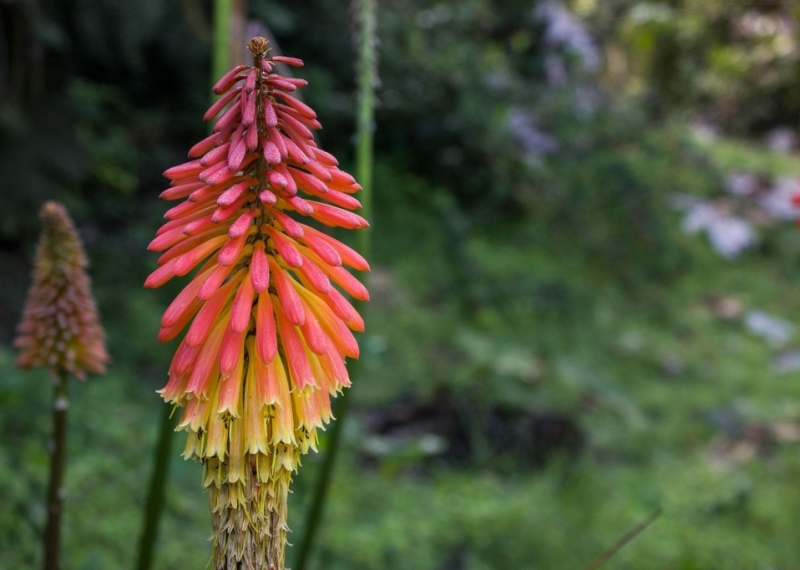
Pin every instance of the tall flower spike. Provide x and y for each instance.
(60, 328)
(268, 331)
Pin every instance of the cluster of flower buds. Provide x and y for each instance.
(268, 328)
(60, 327)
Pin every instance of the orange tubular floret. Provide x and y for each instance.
(294, 349)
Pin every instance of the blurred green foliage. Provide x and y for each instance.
(734, 64)
(543, 363)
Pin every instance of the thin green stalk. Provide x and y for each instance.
(366, 12)
(55, 488)
(221, 47)
(367, 81)
(626, 538)
(155, 497)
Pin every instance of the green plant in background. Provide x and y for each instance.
(60, 330)
(269, 330)
(733, 64)
(366, 40)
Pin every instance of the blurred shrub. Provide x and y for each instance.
(735, 65)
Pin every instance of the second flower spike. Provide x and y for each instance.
(267, 328)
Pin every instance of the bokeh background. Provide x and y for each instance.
(585, 277)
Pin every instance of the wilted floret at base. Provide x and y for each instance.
(267, 329)
(60, 328)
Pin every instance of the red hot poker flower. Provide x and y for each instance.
(268, 329)
(60, 328)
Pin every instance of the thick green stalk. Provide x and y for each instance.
(55, 488)
(366, 13)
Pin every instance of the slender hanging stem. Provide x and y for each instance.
(55, 488)
(366, 12)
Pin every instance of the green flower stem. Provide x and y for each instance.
(55, 488)
(155, 496)
(366, 11)
(221, 48)
(367, 81)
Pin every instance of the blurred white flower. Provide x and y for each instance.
(741, 183)
(565, 29)
(534, 141)
(729, 234)
(777, 202)
(775, 330)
